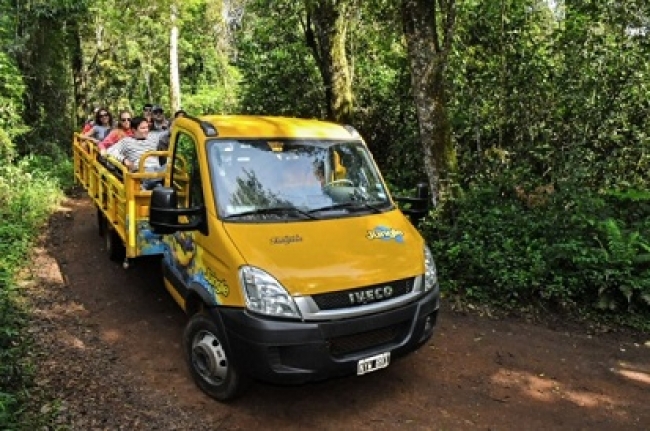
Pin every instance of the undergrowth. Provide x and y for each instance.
(573, 252)
(30, 190)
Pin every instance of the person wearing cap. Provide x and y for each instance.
(159, 121)
(148, 114)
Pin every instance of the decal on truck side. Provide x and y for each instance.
(184, 258)
(384, 233)
(148, 243)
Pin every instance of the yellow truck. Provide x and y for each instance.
(281, 242)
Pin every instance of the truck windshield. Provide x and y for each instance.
(254, 179)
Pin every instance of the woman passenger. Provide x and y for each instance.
(129, 150)
(102, 127)
(122, 131)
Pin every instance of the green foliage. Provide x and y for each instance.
(13, 378)
(28, 194)
(568, 250)
(625, 283)
(127, 64)
(385, 114)
(271, 57)
(550, 116)
(12, 87)
(6, 147)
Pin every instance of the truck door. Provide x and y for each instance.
(181, 255)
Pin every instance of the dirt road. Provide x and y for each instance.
(109, 348)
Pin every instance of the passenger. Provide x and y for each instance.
(319, 172)
(102, 127)
(160, 123)
(90, 122)
(163, 143)
(129, 150)
(180, 113)
(148, 114)
(122, 131)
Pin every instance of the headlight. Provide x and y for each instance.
(265, 295)
(430, 273)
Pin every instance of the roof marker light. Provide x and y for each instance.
(209, 129)
(352, 131)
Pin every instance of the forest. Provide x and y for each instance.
(527, 119)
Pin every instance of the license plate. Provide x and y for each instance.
(373, 363)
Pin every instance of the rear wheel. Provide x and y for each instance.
(114, 246)
(101, 223)
(210, 361)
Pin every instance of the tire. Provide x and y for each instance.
(101, 223)
(114, 246)
(210, 360)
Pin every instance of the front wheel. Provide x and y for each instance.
(211, 364)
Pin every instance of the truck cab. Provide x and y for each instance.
(284, 247)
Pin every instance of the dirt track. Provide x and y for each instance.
(109, 347)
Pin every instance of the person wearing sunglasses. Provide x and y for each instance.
(102, 127)
(122, 131)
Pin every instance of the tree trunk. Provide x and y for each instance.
(174, 77)
(428, 49)
(326, 33)
(79, 78)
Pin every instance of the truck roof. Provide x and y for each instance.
(258, 126)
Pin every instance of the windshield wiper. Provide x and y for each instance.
(274, 210)
(350, 206)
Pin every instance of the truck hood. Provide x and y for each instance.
(316, 256)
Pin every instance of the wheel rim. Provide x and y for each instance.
(209, 358)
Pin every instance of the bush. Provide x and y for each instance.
(28, 194)
(571, 249)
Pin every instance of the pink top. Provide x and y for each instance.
(87, 127)
(114, 137)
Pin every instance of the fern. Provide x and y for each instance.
(628, 254)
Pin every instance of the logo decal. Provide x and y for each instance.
(384, 233)
(370, 295)
(285, 240)
(220, 286)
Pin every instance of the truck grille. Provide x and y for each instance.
(337, 300)
(346, 344)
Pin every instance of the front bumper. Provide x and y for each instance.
(291, 352)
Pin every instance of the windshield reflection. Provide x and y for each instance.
(305, 179)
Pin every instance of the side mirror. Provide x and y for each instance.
(164, 213)
(163, 199)
(418, 206)
(422, 192)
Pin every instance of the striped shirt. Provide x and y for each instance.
(131, 148)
